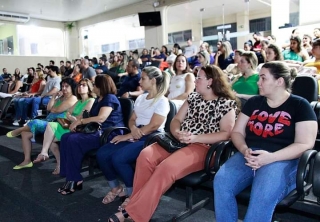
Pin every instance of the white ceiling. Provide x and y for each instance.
(74, 10)
(62, 10)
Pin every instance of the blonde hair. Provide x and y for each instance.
(162, 80)
(227, 49)
(251, 58)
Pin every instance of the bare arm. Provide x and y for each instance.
(178, 119)
(238, 133)
(190, 85)
(16, 88)
(52, 92)
(65, 105)
(305, 136)
(136, 93)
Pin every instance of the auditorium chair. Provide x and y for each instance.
(127, 109)
(316, 177)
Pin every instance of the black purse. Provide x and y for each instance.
(168, 142)
(88, 128)
(91, 127)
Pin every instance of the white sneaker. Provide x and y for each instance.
(15, 123)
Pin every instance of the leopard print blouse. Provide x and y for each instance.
(204, 116)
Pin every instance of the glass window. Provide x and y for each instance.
(40, 41)
(182, 36)
(116, 35)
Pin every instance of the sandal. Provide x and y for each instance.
(111, 196)
(124, 204)
(115, 218)
(56, 171)
(41, 158)
(64, 186)
(71, 187)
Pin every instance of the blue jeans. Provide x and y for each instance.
(117, 159)
(35, 102)
(270, 185)
(18, 107)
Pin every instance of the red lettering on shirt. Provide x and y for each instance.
(267, 124)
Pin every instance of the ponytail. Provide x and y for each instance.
(162, 80)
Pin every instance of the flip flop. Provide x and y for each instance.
(9, 135)
(41, 158)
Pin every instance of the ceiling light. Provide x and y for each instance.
(156, 4)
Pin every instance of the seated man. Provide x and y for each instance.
(67, 69)
(102, 68)
(130, 87)
(51, 88)
(6, 76)
(87, 71)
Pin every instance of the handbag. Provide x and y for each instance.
(168, 142)
(65, 123)
(91, 127)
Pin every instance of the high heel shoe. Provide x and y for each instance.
(71, 187)
(64, 186)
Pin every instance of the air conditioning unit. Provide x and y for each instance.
(14, 17)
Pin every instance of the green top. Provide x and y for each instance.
(247, 86)
(291, 55)
(58, 129)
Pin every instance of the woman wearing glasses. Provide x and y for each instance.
(106, 110)
(55, 130)
(207, 116)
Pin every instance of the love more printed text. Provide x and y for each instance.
(266, 124)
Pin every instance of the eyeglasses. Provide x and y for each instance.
(199, 77)
(82, 84)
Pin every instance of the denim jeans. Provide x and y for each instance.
(18, 107)
(270, 184)
(117, 159)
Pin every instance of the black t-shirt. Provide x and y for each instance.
(272, 129)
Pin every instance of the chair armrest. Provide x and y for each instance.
(305, 160)
(105, 135)
(316, 176)
(215, 152)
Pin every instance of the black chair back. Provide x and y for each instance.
(173, 111)
(306, 87)
(25, 87)
(155, 63)
(4, 105)
(5, 87)
(127, 109)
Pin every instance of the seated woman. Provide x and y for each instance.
(76, 75)
(224, 56)
(149, 115)
(57, 105)
(55, 130)
(245, 86)
(233, 70)
(273, 53)
(195, 125)
(14, 85)
(182, 83)
(37, 86)
(271, 133)
(74, 145)
(203, 60)
(296, 54)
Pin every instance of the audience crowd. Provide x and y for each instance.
(210, 91)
